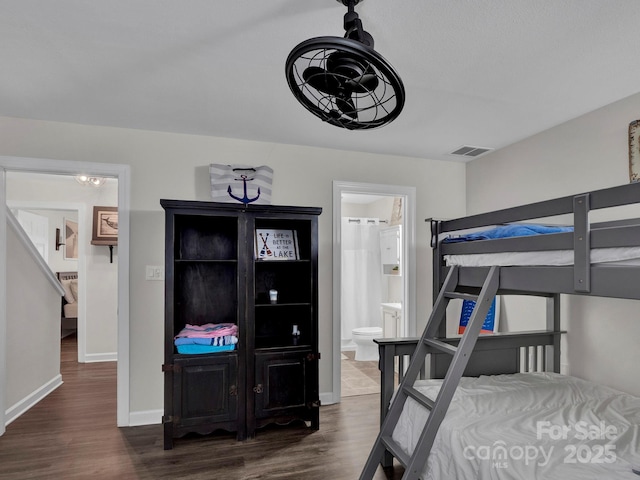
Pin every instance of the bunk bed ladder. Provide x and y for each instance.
(414, 464)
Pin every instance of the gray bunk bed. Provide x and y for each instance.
(479, 270)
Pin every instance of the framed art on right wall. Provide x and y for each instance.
(634, 151)
(105, 226)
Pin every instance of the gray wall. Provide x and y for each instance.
(165, 165)
(584, 154)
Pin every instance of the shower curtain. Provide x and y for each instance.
(361, 275)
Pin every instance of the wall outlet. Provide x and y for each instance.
(154, 273)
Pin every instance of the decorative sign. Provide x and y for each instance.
(634, 151)
(271, 244)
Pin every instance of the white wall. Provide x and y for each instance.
(584, 154)
(56, 260)
(165, 165)
(100, 283)
(29, 323)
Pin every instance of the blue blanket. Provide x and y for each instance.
(199, 349)
(507, 231)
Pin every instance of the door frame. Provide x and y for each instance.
(67, 167)
(408, 247)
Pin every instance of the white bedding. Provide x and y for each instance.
(628, 255)
(495, 429)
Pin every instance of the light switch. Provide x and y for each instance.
(154, 272)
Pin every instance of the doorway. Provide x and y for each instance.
(123, 174)
(394, 288)
(59, 260)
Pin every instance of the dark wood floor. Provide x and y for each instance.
(71, 434)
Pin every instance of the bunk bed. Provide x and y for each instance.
(511, 394)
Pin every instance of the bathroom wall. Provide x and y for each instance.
(391, 285)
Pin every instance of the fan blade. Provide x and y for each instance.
(322, 80)
(363, 84)
(347, 107)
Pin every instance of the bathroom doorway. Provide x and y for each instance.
(374, 278)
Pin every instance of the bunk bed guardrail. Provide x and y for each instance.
(582, 277)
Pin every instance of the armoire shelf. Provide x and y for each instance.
(212, 275)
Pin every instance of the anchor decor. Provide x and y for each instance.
(241, 183)
(273, 244)
(245, 199)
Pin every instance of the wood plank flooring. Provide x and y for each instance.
(71, 434)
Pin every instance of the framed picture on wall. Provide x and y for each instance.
(70, 250)
(105, 226)
(634, 151)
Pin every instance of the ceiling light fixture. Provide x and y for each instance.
(344, 81)
(88, 180)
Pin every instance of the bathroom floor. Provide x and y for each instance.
(358, 378)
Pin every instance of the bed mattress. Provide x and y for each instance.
(621, 256)
(528, 426)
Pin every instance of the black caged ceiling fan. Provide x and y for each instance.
(344, 81)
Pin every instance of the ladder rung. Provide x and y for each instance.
(419, 397)
(395, 450)
(442, 346)
(463, 296)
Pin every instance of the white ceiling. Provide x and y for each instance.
(477, 72)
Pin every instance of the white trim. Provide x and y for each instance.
(146, 417)
(101, 357)
(409, 246)
(33, 252)
(123, 367)
(3, 296)
(30, 400)
(123, 174)
(326, 398)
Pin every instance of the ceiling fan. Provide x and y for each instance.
(343, 80)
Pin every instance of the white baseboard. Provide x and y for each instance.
(145, 417)
(30, 400)
(101, 357)
(327, 398)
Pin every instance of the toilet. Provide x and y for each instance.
(363, 337)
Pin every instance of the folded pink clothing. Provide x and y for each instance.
(208, 330)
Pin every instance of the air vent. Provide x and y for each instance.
(468, 151)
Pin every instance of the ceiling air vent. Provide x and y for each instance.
(468, 151)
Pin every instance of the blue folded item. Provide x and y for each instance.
(210, 341)
(199, 349)
(508, 231)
